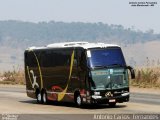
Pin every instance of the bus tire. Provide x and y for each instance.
(78, 100)
(44, 97)
(38, 97)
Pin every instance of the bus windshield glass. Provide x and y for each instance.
(106, 57)
(107, 68)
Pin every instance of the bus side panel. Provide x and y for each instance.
(77, 83)
(55, 65)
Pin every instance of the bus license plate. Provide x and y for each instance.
(112, 100)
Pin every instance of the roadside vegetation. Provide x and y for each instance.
(147, 77)
(15, 76)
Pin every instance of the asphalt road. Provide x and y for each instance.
(13, 100)
(151, 99)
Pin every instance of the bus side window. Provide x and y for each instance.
(30, 59)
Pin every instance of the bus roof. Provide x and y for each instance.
(85, 45)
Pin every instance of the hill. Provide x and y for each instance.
(16, 36)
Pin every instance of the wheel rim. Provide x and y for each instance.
(78, 100)
(39, 97)
(44, 97)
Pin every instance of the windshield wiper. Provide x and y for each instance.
(116, 65)
(100, 66)
(109, 66)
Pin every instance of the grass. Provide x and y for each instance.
(15, 76)
(148, 77)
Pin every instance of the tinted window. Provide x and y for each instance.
(105, 57)
(53, 58)
(30, 59)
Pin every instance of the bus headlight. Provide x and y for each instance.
(96, 93)
(96, 97)
(125, 94)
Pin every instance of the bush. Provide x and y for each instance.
(13, 77)
(147, 77)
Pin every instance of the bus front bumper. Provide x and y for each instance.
(118, 99)
(106, 100)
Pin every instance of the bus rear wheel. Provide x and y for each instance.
(38, 97)
(44, 98)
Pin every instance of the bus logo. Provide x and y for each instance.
(109, 94)
(34, 80)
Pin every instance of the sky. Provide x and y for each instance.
(117, 12)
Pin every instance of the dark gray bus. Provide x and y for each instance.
(80, 72)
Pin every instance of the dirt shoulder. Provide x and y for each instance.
(12, 86)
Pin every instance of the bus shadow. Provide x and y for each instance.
(72, 105)
(101, 106)
(29, 101)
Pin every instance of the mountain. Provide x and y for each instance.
(16, 36)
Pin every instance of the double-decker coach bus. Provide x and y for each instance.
(79, 72)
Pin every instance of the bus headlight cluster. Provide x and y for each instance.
(125, 94)
(96, 93)
(96, 97)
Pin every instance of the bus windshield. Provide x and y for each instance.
(106, 57)
(107, 68)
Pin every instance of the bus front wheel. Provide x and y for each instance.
(78, 100)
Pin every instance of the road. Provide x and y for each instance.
(13, 100)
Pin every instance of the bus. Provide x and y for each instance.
(79, 72)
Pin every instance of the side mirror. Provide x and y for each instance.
(132, 72)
